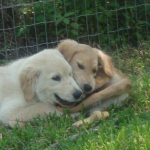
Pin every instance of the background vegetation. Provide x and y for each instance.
(28, 26)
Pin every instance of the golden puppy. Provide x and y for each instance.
(84, 62)
(94, 67)
(34, 85)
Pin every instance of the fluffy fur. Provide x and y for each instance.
(84, 62)
(34, 85)
(109, 85)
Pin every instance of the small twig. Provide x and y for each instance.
(72, 138)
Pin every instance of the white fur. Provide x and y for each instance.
(46, 65)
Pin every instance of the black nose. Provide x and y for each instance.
(77, 94)
(87, 87)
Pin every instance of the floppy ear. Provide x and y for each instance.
(68, 49)
(27, 78)
(104, 62)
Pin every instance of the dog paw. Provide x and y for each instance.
(78, 124)
(12, 124)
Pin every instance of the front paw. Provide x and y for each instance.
(12, 124)
(78, 124)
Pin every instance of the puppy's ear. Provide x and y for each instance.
(104, 62)
(27, 78)
(68, 49)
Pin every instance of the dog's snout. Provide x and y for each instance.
(87, 87)
(77, 94)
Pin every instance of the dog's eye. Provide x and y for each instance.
(94, 70)
(56, 78)
(80, 66)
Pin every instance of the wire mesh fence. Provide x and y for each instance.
(28, 26)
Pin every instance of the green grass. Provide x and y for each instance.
(127, 128)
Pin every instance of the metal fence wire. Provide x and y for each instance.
(28, 26)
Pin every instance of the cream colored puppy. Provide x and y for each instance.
(34, 85)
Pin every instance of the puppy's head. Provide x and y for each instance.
(84, 62)
(48, 77)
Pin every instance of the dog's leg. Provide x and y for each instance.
(122, 87)
(27, 113)
(11, 124)
(95, 116)
(100, 81)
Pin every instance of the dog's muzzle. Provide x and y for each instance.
(64, 102)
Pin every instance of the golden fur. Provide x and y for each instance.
(114, 86)
(78, 54)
